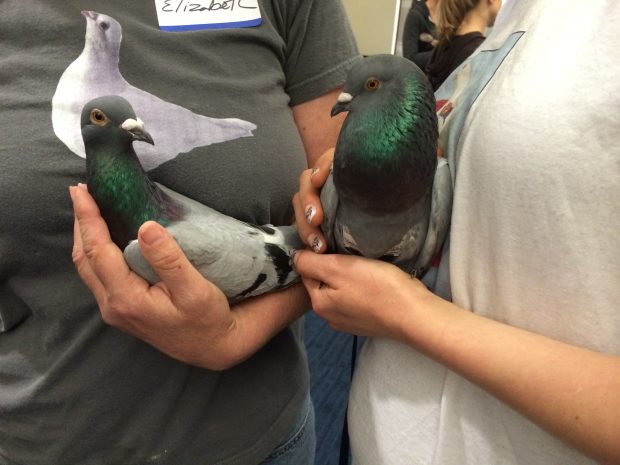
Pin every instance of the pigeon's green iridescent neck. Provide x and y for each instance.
(124, 194)
(386, 153)
(393, 127)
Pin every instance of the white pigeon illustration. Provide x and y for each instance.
(95, 73)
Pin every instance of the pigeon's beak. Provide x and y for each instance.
(136, 128)
(342, 104)
(89, 14)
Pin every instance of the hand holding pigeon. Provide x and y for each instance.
(184, 315)
(241, 259)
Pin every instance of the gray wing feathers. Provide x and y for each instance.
(231, 254)
(329, 202)
(441, 211)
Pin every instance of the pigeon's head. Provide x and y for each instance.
(103, 33)
(112, 118)
(380, 80)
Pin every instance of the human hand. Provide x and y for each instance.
(359, 295)
(184, 315)
(307, 202)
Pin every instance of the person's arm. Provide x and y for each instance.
(318, 129)
(411, 34)
(572, 392)
(185, 316)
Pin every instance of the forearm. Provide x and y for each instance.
(572, 392)
(258, 320)
(317, 128)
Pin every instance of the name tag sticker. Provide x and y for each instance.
(188, 15)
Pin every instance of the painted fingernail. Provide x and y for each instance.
(315, 243)
(294, 258)
(310, 212)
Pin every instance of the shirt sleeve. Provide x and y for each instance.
(320, 47)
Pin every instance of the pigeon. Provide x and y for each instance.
(241, 259)
(95, 73)
(388, 194)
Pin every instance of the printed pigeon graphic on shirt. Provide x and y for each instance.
(96, 73)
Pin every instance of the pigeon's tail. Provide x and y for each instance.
(280, 243)
(214, 130)
(282, 262)
(176, 129)
(280, 251)
(277, 272)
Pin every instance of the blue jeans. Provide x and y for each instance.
(299, 447)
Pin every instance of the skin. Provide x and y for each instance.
(572, 392)
(480, 17)
(184, 315)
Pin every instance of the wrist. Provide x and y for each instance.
(254, 322)
(423, 317)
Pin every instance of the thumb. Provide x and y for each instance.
(319, 267)
(166, 257)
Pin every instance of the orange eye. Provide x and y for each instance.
(98, 117)
(373, 84)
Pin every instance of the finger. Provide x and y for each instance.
(320, 172)
(310, 235)
(83, 267)
(313, 286)
(184, 282)
(324, 269)
(104, 257)
(310, 200)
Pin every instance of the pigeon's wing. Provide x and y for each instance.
(441, 211)
(138, 264)
(329, 202)
(177, 129)
(241, 259)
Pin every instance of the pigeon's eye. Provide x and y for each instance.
(372, 84)
(104, 25)
(98, 117)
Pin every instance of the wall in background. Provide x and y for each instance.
(374, 23)
(404, 7)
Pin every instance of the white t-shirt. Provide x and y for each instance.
(535, 238)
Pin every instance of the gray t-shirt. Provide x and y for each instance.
(72, 389)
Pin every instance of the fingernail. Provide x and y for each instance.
(151, 234)
(294, 258)
(82, 186)
(310, 212)
(316, 244)
(314, 171)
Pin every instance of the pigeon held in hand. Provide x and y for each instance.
(241, 259)
(388, 195)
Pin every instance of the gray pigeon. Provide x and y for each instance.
(95, 73)
(388, 195)
(242, 259)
